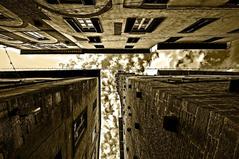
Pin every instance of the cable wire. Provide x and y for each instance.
(11, 63)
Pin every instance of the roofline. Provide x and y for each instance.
(50, 73)
(86, 51)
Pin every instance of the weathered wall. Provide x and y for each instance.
(49, 21)
(206, 111)
(36, 120)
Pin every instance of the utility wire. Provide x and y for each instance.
(11, 63)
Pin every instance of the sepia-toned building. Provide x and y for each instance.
(179, 114)
(50, 114)
(117, 26)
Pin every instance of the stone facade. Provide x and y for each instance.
(180, 117)
(116, 26)
(51, 119)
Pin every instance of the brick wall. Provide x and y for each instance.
(206, 111)
(36, 120)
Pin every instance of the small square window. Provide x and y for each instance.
(138, 94)
(129, 46)
(171, 123)
(129, 86)
(99, 46)
(94, 39)
(133, 40)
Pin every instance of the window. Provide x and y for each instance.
(129, 46)
(233, 3)
(138, 94)
(58, 155)
(79, 127)
(171, 123)
(85, 24)
(94, 39)
(156, 1)
(212, 39)
(172, 39)
(117, 28)
(35, 35)
(99, 46)
(133, 40)
(142, 25)
(5, 37)
(234, 31)
(73, 24)
(198, 25)
(129, 86)
(85, 2)
(94, 104)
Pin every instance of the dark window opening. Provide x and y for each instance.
(232, 3)
(58, 155)
(97, 25)
(234, 31)
(198, 25)
(127, 149)
(79, 127)
(129, 86)
(138, 94)
(37, 22)
(156, 1)
(135, 157)
(133, 40)
(191, 45)
(136, 125)
(94, 104)
(99, 46)
(142, 25)
(128, 129)
(129, 46)
(171, 123)
(172, 39)
(234, 86)
(212, 39)
(74, 25)
(85, 2)
(88, 2)
(94, 39)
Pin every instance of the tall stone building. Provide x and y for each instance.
(117, 26)
(179, 114)
(50, 114)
